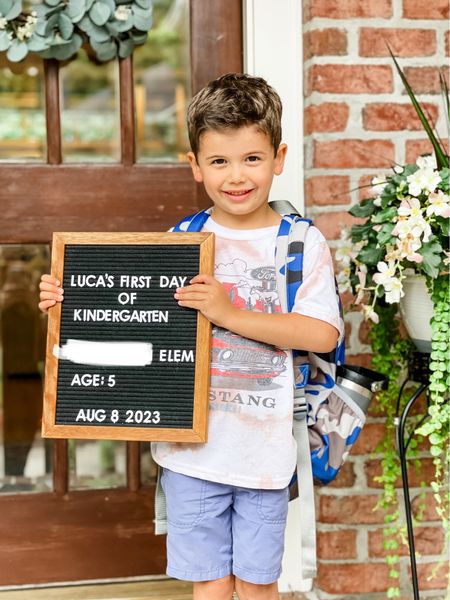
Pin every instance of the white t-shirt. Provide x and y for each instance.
(250, 441)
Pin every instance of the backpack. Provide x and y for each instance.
(329, 407)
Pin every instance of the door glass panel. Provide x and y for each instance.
(162, 84)
(25, 458)
(90, 122)
(97, 464)
(22, 110)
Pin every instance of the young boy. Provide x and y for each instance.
(227, 499)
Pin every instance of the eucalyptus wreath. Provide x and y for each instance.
(58, 28)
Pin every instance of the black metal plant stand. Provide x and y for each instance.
(418, 372)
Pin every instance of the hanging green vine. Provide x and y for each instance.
(58, 28)
(390, 357)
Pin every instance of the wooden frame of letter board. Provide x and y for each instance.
(198, 432)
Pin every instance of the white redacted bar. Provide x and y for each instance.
(114, 354)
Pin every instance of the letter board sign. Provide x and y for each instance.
(124, 361)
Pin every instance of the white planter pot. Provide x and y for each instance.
(416, 309)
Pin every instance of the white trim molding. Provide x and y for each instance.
(273, 50)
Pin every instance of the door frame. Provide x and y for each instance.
(68, 535)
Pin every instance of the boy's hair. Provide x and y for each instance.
(232, 101)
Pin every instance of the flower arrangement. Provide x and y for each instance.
(406, 230)
(58, 28)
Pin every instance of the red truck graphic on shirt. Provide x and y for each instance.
(235, 356)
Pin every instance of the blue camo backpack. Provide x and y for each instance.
(327, 420)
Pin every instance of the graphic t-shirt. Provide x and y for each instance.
(250, 441)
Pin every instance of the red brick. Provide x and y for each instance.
(336, 544)
(433, 576)
(425, 80)
(364, 332)
(350, 79)
(337, 9)
(415, 148)
(323, 190)
(403, 42)
(331, 224)
(350, 510)
(427, 541)
(353, 578)
(354, 154)
(415, 476)
(329, 116)
(363, 360)
(425, 505)
(346, 477)
(370, 437)
(419, 9)
(385, 116)
(324, 42)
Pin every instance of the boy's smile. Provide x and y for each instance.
(237, 167)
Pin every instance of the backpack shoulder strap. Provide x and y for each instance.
(193, 222)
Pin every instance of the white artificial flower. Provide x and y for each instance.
(398, 169)
(122, 13)
(439, 204)
(3, 22)
(378, 184)
(346, 251)
(343, 280)
(447, 257)
(427, 161)
(410, 207)
(423, 181)
(369, 313)
(394, 290)
(386, 271)
(407, 247)
(360, 288)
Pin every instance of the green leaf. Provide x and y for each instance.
(37, 43)
(105, 51)
(75, 10)
(370, 255)
(441, 158)
(5, 42)
(65, 26)
(125, 48)
(142, 19)
(5, 6)
(386, 214)
(144, 3)
(17, 51)
(432, 257)
(385, 233)
(51, 24)
(140, 38)
(360, 232)
(14, 11)
(100, 13)
(364, 209)
(52, 2)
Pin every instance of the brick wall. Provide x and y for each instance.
(358, 120)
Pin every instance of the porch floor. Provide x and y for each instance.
(164, 589)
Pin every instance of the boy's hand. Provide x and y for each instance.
(50, 293)
(208, 296)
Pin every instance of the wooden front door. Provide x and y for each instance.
(68, 534)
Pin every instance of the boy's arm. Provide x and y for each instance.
(291, 330)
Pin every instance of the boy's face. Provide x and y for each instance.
(237, 167)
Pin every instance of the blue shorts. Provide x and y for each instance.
(215, 530)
